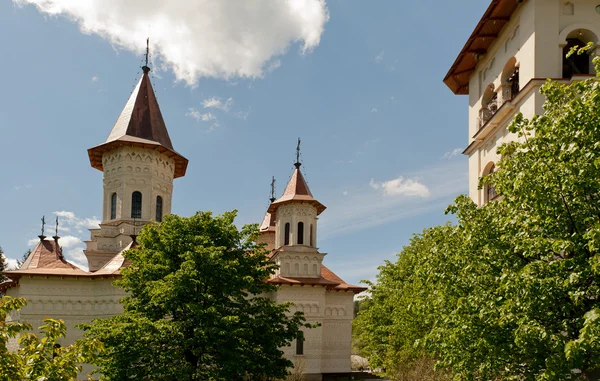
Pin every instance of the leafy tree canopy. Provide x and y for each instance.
(39, 358)
(198, 307)
(512, 291)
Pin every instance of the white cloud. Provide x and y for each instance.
(11, 264)
(217, 103)
(360, 210)
(199, 116)
(401, 187)
(345, 193)
(374, 109)
(451, 154)
(95, 78)
(379, 57)
(274, 65)
(241, 114)
(200, 38)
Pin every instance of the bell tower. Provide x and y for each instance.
(139, 164)
(290, 228)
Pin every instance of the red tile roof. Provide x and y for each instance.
(328, 279)
(297, 190)
(140, 124)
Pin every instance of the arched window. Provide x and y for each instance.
(286, 238)
(311, 236)
(490, 190)
(300, 344)
(576, 63)
(489, 105)
(136, 205)
(113, 206)
(300, 233)
(510, 80)
(159, 210)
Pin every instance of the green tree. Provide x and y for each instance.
(23, 258)
(198, 307)
(512, 291)
(40, 358)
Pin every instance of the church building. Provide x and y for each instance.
(514, 48)
(139, 165)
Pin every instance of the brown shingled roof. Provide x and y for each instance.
(486, 32)
(140, 124)
(297, 190)
(46, 258)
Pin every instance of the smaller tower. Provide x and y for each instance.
(139, 165)
(290, 228)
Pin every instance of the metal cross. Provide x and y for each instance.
(273, 189)
(147, 49)
(298, 152)
(56, 235)
(43, 223)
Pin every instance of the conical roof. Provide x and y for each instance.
(140, 124)
(296, 191)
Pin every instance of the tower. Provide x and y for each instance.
(516, 45)
(138, 164)
(289, 229)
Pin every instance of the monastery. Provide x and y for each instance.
(139, 164)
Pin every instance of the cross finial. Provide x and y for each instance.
(272, 189)
(147, 49)
(42, 236)
(145, 68)
(56, 233)
(298, 164)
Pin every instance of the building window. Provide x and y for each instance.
(300, 233)
(311, 236)
(576, 63)
(489, 188)
(113, 206)
(286, 238)
(159, 210)
(489, 105)
(136, 205)
(300, 344)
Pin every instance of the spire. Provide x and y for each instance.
(140, 123)
(297, 189)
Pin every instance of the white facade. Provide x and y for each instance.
(533, 43)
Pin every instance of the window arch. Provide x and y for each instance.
(489, 105)
(159, 208)
(510, 80)
(490, 190)
(286, 234)
(578, 64)
(113, 206)
(300, 233)
(136, 205)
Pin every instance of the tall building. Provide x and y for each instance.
(514, 48)
(139, 165)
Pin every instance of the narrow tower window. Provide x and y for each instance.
(300, 233)
(300, 344)
(159, 204)
(286, 238)
(311, 236)
(113, 206)
(136, 205)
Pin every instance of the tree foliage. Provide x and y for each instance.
(198, 307)
(40, 358)
(511, 292)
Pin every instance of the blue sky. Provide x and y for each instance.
(381, 134)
